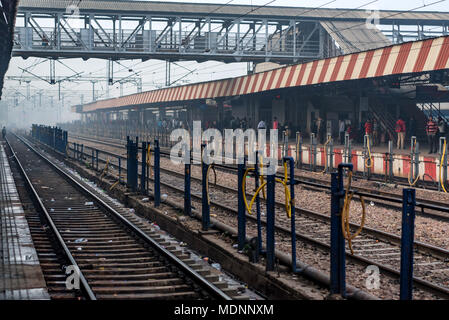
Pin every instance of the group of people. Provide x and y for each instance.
(288, 127)
(434, 130)
(375, 131)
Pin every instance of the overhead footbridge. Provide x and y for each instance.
(114, 30)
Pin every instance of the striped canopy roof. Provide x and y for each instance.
(406, 58)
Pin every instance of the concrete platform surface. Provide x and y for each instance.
(21, 276)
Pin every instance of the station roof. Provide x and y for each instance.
(355, 37)
(7, 23)
(406, 58)
(230, 10)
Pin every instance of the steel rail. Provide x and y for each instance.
(85, 285)
(196, 277)
(302, 180)
(424, 284)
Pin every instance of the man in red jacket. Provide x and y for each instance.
(400, 130)
(368, 127)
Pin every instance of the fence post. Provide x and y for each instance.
(391, 160)
(119, 167)
(366, 156)
(205, 197)
(256, 184)
(329, 153)
(241, 216)
(416, 171)
(157, 174)
(285, 142)
(143, 170)
(407, 239)
(442, 173)
(313, 152)
(187, 178)
(338, 253)
(132, 164)
(298, 150)
(348, 151)
(96, 157)
(292, 183)
(270, 221)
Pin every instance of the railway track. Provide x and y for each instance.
(431, 208)
(373, 247)
(50, 256)
(115, 253)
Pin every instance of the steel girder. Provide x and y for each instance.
(55, 35)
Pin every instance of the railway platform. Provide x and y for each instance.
(21, 275)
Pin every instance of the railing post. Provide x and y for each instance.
(132, 164)
(270, 222)
(348, 149)
(330, 153)
(187, 178)
(442, 172)
(391, 160)
(313, 152)
(366, 156)
(143, 170)
(258, 214)
(338, 253)
(205, 202)
(96, 157)
(119, 167)
(416, 171)
(414, 158)
(241, 216)
(285, 142)
(407, 239)
(157, 174)
(292, 183)
(298, 150)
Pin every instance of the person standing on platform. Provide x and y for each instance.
(369, 130)
(314, 128)
(375, 132)
(341, 131)
(275, 123)
(400, 130)
(4, 133)
(350, 132)
(321, 129)
(431, 130)
(412, 127)
(442, 128)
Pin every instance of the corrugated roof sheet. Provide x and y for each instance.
(406, 58)
(354, 36)
(219, 9)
